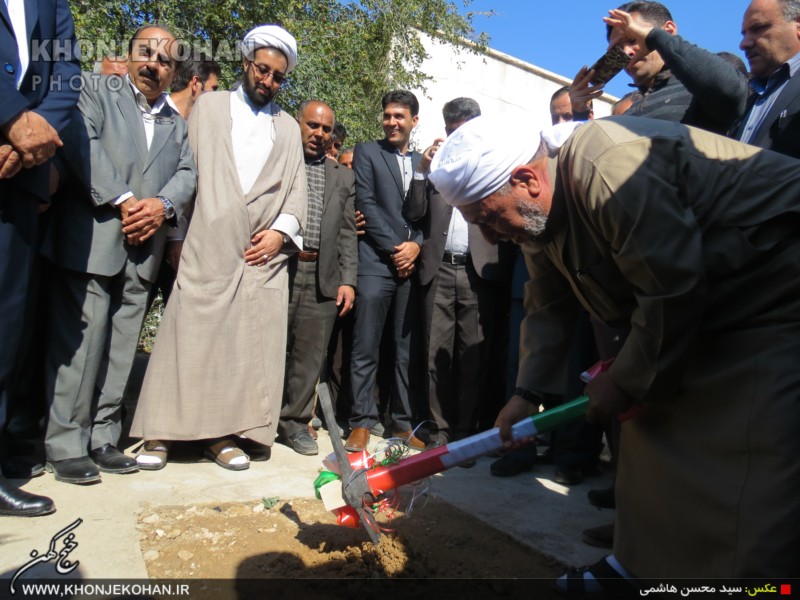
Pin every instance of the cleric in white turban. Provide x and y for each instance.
(231, 295)
(271, 36)
(478, 158)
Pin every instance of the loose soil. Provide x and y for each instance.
(298, 539)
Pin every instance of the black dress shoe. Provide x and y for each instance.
(110, 460)
(19, 503)
(568, 475)
(602, 537)
(603, 498)
(573, 475)
(301, 442)
(22, 467)
(74, 470)
(514, 463)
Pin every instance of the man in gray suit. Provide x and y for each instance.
(459, 273)
(386, 256)
(132, 171)
(322, 277)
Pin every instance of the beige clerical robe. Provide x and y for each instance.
(217, 366)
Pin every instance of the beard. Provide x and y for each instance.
(249, 87)
(534, 219)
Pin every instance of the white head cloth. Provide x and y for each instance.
(270, 36)
(556, 136)
(478, 158)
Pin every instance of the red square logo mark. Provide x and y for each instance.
(786, 589)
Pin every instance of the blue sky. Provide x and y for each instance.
(563, 35)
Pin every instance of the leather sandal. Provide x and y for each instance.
(153, 455)
(224, 452)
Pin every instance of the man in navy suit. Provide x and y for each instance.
(36, 97)
(771, 43)
(386, 254)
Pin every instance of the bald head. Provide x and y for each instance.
(316, 120)
(770, 35)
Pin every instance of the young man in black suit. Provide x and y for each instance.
(386, 255)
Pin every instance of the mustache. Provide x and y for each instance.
(149, 73)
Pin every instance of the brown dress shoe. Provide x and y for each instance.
(410, 440)
(357, 440)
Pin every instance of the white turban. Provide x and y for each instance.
(270, 36)
(478, 158)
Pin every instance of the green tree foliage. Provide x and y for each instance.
(349, 53)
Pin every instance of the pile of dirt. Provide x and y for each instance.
(300, 539)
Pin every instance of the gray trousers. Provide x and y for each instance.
(311, 319)
(95, 324)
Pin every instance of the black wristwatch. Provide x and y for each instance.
(533, 397)
(169, 209)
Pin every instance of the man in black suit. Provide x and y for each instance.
(460, 273)
(771, 43)
(36, 99)
(322, 277)
(386, 254)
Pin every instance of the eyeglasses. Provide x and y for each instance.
(263, 72)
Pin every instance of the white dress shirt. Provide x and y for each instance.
(16, 10)
(457, 234)
(149, 114)
(253, 136)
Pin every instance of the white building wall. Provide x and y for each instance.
(502, 85)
